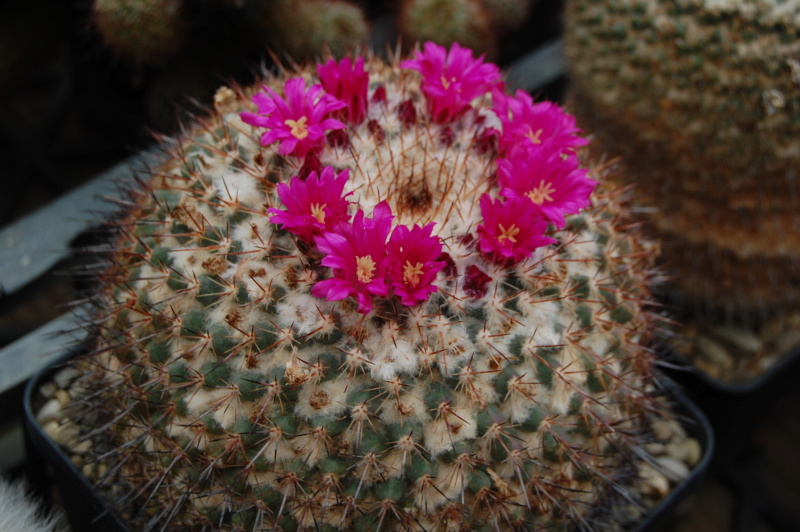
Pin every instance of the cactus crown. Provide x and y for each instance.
(360, 302)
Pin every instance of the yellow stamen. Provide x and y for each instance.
(508, 234)
(535, 136)
(299, 127)
(318, 212)
(446, 83)
(542, 193)
(411, 274)
(365, 268)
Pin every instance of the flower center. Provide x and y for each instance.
(299, 127)
(411, 274)
(534, 136)
(365, 268)
(542, 193)
(507, 234)
(318, 212)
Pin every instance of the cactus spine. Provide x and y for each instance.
(514, 396)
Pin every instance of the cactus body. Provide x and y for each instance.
(307, 28)
(447, 21)
(142, 31)
(702, 100)
(478, 24)
(512, 396)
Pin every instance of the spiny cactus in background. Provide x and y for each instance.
(376, 297)
(304, 29)
(149, 32)
(142, 31)
(702, 100)
(476, 24)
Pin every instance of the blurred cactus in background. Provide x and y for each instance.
(702, 100)
(477, 24)
(141, 31)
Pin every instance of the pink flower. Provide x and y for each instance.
(511, 230)
(312, 205)
(543, 124)
(347, 82)
(412, 263)
(299, 121)
(357, 254)
(450, 81)
(553, 182)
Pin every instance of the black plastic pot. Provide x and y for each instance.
(698, 427)
(736, 410)
(87, 512)
(47, 465)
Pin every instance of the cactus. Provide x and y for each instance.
(702, 100)
(142, 31)
(373, 298)
(447, 21)
(304, 29)
(477, 24)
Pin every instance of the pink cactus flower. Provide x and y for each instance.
(347, 82)
(511, 230)
(299, 122)
(413, 267)
(553, 182)
(357, 254)
(543, 124)
(450, 81)
(313, 205)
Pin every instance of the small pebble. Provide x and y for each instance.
(82, 447)
(65, 376)
(744, 339)
(692, 452)
(66, 434)
(676, 450)
(88, 470)
(715, 353)
(787, 341)
(51, 411)
(654, 483)
(48, 389)
(668, 430)
(63, 397)
(674, 470)
(661, 430)
(51, 428)
(655, 448)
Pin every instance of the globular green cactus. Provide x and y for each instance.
(476, 24)
(702, 100)
(251, 370)
(304, 29)
(150, 32)
(142, 31)
(447, 21)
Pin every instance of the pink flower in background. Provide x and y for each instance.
(543, 124)
(348, 82)
(312, 205)
(299, 121)
(553, 182)
(412, 255)
(357, 254)
(450, 81)
(512, 229)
